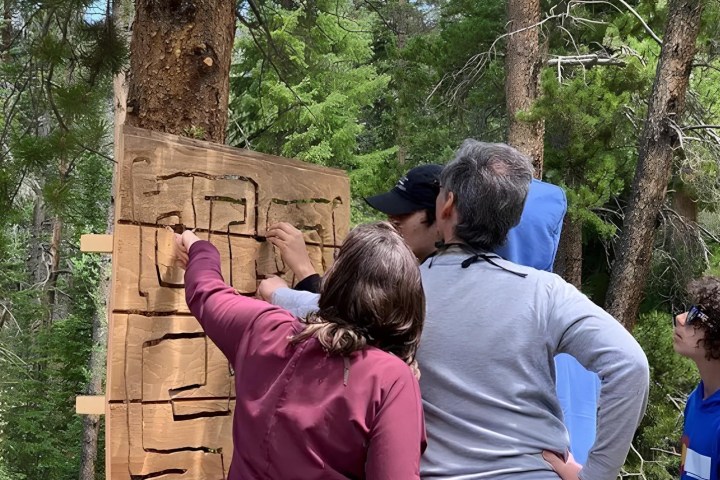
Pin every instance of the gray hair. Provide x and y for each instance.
(490, 182)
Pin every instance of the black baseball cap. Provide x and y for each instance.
(417, 190)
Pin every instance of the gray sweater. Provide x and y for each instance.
(488, 377)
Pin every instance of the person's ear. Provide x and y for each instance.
(446, 205)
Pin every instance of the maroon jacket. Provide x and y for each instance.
(294, 416)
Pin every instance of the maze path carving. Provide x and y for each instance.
(170, 390)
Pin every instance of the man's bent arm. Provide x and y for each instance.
(601, 344)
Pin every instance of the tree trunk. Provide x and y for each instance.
(180, 67)
(401, 25)
(633, 255)
(36, 260)
(523, 64)
(7, 30)
(55, 311)
(569, 258)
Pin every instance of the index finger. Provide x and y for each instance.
(285, 227)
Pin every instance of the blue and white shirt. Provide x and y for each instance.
(701, 437)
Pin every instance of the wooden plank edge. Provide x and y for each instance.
(90, 404)
(97, 243)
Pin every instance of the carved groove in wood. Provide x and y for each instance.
(170, 391)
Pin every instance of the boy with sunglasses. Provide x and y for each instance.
(697, 337)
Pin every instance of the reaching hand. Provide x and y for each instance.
(566, 470)
(183, 243)
(268, 286)
(291, 243)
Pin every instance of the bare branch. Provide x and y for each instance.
(702, 127)
(585, 60)
(462, 80)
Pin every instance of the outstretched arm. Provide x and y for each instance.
(289, 240)
(225, 315)
(601, 344)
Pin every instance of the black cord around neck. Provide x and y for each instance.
(475, 256)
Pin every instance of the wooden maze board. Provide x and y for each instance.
(170, 392)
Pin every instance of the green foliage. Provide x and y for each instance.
(672, 378)
(54, 139)
(40, 435)
(589, 140)
(307, 100)
(55, 79)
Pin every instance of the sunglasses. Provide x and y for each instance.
(694, 315)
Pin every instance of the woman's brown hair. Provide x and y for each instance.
(372, 295)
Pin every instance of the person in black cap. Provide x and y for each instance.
(409, 206)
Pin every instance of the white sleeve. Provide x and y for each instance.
(298, 302)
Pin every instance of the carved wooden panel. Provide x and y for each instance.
(170, 391)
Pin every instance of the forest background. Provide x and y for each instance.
(374, 87)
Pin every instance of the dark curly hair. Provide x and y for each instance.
(705, 292)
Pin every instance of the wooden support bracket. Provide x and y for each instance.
(90, 405)
(96, 243)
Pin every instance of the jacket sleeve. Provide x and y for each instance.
(225, 315)
(299, 303)
(397, 437)
(311, 283)
(601, 344)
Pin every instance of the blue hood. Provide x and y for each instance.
(534, 241)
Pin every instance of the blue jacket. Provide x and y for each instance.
(534, 243)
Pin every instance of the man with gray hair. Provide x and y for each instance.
(492, 329)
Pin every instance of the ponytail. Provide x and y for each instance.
(335, 338)
(342, 339)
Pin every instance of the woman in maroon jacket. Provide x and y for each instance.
(332, 396)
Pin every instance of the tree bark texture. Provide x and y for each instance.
(569, 258)
(634, 250)
(523, 64)
(37, 258)
(180, 67)
(7, 30)
(55, 309)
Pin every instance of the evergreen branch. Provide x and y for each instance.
(11, 115)
(338, 16)
(21, 31)
(462, 80)
(14, 359)
(632, 11)
(268, 58)
(383, 20)
(7, 313)
(12, 198)
(474, 68)
(98, 153)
